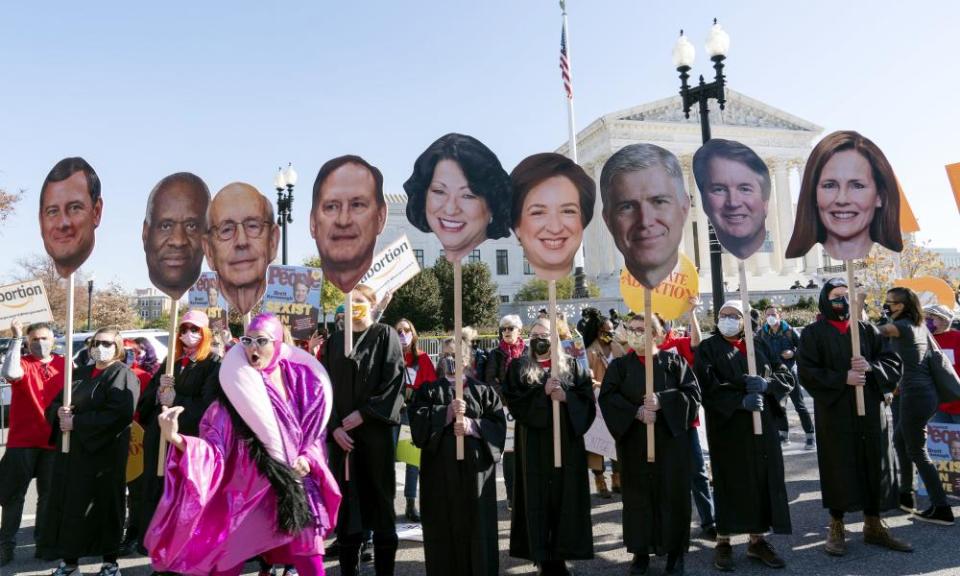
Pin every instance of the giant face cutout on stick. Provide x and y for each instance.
(734, 186)
(348, 214)
(460, 192)
(173, 230)
(70, 210)
(645, 207)
(240, 243)
(849, 199)
(552, 204)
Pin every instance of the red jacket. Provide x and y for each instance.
(950, 340)
(30, 397)
(425, 370)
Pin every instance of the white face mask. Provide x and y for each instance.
(637, 341)
(190, 339)
(406, 338)
(101, 353)
(729, 327)
(772, 321)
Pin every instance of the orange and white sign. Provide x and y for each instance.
(135, 456)
(671, 298)
(24, 301)
(953, 173)
(930, 290)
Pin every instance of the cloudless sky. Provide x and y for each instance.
(232, 90)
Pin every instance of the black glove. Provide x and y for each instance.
(755, 385)
(753, 402)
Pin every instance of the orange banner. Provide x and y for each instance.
(908, 222)
(953, 173)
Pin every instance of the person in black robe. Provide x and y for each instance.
(656, 496)
(367, 385)
(550, 522)
(86, 509)
(458, 502)
(856, 471)
(748, 478)
(195, 384)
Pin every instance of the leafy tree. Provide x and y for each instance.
(161, 323)
(330, 295)
(480, 301)
(536, 289)
(8, 203)
(419, 302)
(881, 268)
(111, 307)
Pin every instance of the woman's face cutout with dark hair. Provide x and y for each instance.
(457, 215)
(847, 199)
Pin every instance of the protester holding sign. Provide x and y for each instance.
(417, 370)
(745, 503)
(551, 506)
(601, 351)
(510, 346)
(656, 495)
(459, 498)
(194, 385)
(86, 510)
(256, 480)
(367, 397)
(855, 458)
(35, 379)
(918, 398)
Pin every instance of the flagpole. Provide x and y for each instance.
(580, 289)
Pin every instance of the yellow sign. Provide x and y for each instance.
(135, 457)
(671, 298)
(930, 290)
(408, 453)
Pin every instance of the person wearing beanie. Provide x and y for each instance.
(856, 464)
(751, 503)
(939, 320)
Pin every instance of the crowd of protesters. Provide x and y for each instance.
(255, 449)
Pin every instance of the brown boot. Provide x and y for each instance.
(615, 483)
(876, 532)
(601, 484)
(836, 538)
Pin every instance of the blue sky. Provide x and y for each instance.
(231, 90)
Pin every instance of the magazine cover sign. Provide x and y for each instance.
(205, 295)
(293, 295)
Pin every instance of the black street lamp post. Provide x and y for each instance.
(718, 42)
(90, 304)
(285, 179)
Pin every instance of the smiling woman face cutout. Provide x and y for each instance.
(552, 205)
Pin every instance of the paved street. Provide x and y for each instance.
(936, 546)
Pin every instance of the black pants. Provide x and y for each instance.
(17, 468)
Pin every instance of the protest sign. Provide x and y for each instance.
(24, 301)
(393, 267)
(671, 298)
(293, 295)
(943, 443)
(205, 295)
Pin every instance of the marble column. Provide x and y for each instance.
(784, 211)
(703, 231)
(773, 222)
(687, 242)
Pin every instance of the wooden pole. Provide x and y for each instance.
(555, 369)
(347, 349)
(457, 342)
(648, 365)
(855, 328)
(748, 338)
(168, 370)
(68, 362)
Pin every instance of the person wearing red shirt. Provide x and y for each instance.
(939, 319)
(417, 369)
(36, 380)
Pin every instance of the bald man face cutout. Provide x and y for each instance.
(240, 243)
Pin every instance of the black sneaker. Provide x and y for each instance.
(809, 445)
(64, 570)
(762, 550)
(907, 503)
(108, 569)
(723, 557)
(941, 515)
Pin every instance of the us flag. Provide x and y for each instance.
(565, 64)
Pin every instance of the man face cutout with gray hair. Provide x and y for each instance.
(645, 207)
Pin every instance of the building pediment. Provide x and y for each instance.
(739, 110)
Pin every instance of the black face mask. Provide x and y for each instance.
(840, 307)
(540, 346)
(887, 311)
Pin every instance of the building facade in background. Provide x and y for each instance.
(150, 303)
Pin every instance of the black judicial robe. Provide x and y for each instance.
(854, 453)
(656, 496)
(551, 506)
(369, 380)
(458, 499)
(87, 497)
(196, 386)
(750, 493)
